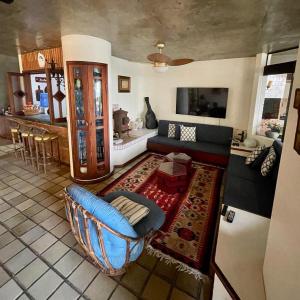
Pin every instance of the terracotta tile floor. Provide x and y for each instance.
(40, 258)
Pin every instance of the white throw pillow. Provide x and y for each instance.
(269, 162)
(171, 131)
(131, 210)
(254, 154)
(187, 134)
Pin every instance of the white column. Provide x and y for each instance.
(76, 47)
(282, 260)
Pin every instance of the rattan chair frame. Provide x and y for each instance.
(107, 269)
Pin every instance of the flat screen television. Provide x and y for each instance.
(206, 102)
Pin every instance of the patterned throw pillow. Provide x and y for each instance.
(133, 211)
(171, 131)
(187, 134)
(254, 154)
(256, 165)
(268, 163)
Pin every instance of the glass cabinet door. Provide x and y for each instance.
(98, 108)
(81, 119)
(89, 120)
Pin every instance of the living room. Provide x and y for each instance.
(188, 122)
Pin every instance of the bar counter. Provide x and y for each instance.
(6, 122)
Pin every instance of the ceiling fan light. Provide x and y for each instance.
(160, 67)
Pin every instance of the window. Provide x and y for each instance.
(275, 104)
(275, 93)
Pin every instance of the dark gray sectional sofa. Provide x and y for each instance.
(212, 145)
(247, 189)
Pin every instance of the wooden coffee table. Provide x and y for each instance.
(180, 158)
(172, 177)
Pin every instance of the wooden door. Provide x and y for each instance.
(18, 96)
(99, 135)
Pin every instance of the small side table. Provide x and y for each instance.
(180, 158)
(172, 177)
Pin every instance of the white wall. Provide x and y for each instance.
(133, 101)
(282, 259)
(236, 74)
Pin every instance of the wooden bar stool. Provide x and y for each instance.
(17, 141)
(28, 145)
(44, 150)
(55, 142)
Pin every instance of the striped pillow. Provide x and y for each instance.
(133, 211)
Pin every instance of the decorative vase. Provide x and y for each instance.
(151, 121)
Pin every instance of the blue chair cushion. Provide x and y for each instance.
(153, 221)
(115, 247)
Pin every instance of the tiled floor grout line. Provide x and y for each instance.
(118, 281)
(58, 239)
(14, 277)
(50, 266)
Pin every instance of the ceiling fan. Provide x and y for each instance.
(161, 62)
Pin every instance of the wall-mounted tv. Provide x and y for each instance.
(206, 102)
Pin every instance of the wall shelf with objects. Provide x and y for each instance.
(89, 127)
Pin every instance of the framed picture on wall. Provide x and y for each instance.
(123, 84)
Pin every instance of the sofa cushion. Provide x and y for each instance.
(208, 148)
(255, 197)
(214, 134)
(277, 144)
(164, 140)
(104, 212)
(237, 167)
(163, 127)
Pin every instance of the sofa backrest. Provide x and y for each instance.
(204, 132)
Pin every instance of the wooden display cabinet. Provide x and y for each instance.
(87, 84)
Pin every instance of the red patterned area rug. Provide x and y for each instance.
(186, 236)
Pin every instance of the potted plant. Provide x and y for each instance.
(274, 129)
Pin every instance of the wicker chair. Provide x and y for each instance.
(104, 233)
